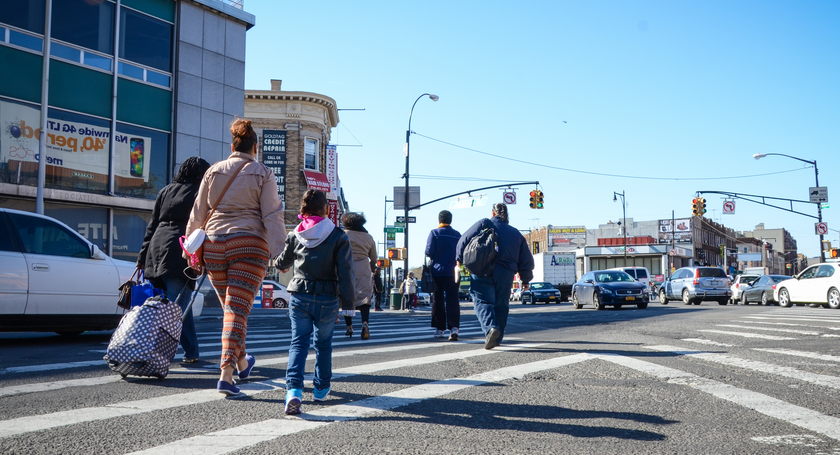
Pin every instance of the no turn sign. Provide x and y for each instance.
(728, 207)
(509, 197)
(821, 228)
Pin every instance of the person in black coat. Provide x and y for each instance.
(160, 256)
(491, 294)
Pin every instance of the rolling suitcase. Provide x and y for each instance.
(146, 340)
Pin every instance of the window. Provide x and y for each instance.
(140, 169)
(6, 241)
(84, 23)
(310, 152)
(25, 14)
(42, 236)
(145, 40)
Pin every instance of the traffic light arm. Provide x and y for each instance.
(747, 197)
(508, 185)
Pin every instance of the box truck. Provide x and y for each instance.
(557, 269)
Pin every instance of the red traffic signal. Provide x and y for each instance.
(533, 203)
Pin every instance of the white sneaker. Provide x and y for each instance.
(438, 333)
(453, 334)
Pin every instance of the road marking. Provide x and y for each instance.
(247, 435)
(806, 440)
(798, 319)
(22, 425)
(749, 335)
(810, 355)
(52, 366)
(832, 382)
(792, 325)
(800, 332)
(704, 341)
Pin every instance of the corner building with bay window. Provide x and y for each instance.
(135, 87)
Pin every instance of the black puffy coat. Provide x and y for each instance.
(160, 254)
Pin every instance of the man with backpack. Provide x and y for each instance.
(494, 252)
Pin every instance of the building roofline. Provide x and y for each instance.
(309, 97)
(227, 8)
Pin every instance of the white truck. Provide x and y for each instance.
(557, 269)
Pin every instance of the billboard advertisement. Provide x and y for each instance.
(332, 172)
(572, 235)
(274, 157)
(679, 230)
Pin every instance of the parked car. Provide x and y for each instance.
(280, 297)
(761, 290)
(53, 280)
(741, 282)
(819, 283)
(609, 287)
(695, 284)
(540, 292)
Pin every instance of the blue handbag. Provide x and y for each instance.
(142, 291)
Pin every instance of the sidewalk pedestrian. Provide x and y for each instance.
(160, 256)
(242, 234)
(364, 265)
(323, 276)
(440, 248)
(377, 289)
(408, 289)
(491, 294)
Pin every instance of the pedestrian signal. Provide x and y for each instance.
(695, 204)
(533, 203)
(834, 253)
(540, 203)
(395, 254)
(383, 263)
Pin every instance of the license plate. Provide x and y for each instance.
(631, 298)
(552, 297)
(714, 283)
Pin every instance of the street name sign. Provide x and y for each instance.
(393, 229)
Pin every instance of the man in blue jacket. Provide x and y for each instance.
(440, 248)
(491, 294)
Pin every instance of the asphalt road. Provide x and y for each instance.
(667, 379)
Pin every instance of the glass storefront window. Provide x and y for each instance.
(142, 159)
(25, 14)
(84, 23)
(78, 157)
(145, 40)
(128, 232)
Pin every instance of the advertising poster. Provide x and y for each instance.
(573, 235)
(332, 172)
(77, 149)
(274, 157)
(681, 233)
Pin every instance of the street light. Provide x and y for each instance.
(759, 156)
(624, 214)
(407, 141)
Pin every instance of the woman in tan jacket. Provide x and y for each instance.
(364, 265)
(244, 232)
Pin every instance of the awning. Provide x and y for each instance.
(316, 181)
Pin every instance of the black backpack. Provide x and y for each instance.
(480, 253)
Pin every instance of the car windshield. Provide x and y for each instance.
(611, 277)
(711, 272)
(537, 286)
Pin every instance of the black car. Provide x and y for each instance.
(540, 292)
(609, 287)
(761, 290)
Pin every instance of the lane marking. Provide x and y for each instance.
(832, 382)
(23, 425)
(799, 319)
(800, 332)
(749, 335)
(792, 325)
(810, 355)
(704, 341)
(52, 366)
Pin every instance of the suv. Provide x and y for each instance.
(740, 283)
(695, 284)
(640, 274)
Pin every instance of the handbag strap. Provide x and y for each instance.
(213, 209)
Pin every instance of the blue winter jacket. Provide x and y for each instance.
(440, 248)
(513, 254)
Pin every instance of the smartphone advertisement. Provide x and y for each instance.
(71, 145)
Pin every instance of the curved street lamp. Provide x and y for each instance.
(624, 214)
(433, 97)
(759, 156)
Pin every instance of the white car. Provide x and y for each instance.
(280, 296)
(819, 283)
(741, 282)
(53, 280)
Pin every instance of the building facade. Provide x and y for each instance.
(779, 243)
(134, 88)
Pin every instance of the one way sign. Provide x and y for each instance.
(817, 194)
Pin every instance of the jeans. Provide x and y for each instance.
(446, 308)
(310, 312)
(172, 287)
(491, 299)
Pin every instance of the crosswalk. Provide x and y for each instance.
(752, 343)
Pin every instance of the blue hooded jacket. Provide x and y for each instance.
(440, 248)
(513, 254)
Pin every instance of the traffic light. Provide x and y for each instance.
(701, 206)
(834, 253)
(383, 263)
(695, 205)
(540, 204)
(395, 254)
(533, 203)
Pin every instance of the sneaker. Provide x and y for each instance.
(438, 333)
(227, 388)
(321, 394)
(365, 331)
(378, 309)
(492, 337)
(293, 397)
(453, 334)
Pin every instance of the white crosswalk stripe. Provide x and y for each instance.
(799, 332)
(747, 335)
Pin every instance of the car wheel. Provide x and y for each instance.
(686, 298)
(834, 298)
(641, 306)
(697, 301)
(279, 303)
(617, 307)
(765, 299)
(663, 299)
(533, 300)
(597, 302)
(784, 298)
(575, 301)
(723, 302)
(744, 300)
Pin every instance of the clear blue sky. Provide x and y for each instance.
(656, 94)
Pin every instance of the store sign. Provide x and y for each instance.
(332, 172)
(71, 146)
(316, 181)
(566, 235)
(274, 157)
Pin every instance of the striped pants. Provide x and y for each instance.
(236, 264)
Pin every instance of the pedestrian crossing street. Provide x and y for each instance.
(721, 345)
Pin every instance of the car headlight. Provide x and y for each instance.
(606, 291)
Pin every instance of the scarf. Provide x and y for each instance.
(442, 225)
